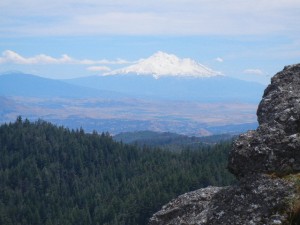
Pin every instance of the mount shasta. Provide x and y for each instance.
(163, 64)
(160, 93)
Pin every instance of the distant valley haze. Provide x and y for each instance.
(162, 93)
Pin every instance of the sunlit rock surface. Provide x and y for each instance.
(275, 145)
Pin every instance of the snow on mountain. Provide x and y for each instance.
(163, 64)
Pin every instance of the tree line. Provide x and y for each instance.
(53, 175)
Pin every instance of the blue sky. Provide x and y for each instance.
(249, 40)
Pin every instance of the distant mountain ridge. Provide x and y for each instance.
(120, 103)
(28, 85)
(212, 89)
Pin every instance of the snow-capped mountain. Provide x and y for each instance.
(163, 64)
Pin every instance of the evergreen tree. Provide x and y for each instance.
(53, 175)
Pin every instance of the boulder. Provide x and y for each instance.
(257, 200)
(275, 146)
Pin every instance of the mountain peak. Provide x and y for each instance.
(164, 64)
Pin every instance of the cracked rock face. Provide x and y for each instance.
(275, 146)
(266, 162)
(257, 200)
(189, 208)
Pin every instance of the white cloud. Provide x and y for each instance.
(99, 68)
(257, 72)
(218, 59)
(10, 56)
(116, 62)
(191, 17)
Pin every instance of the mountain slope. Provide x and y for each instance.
(27, 85)
(213, 89)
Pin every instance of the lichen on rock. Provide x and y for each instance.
(266, 162)
(189, 208)
(275, 146)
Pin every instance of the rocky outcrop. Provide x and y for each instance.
(190, 208)
(258, 200)
(266, 162)
(275, 146)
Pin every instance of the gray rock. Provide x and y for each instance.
(190, 208)
(256, 200)
(275, 146)
(267, 163)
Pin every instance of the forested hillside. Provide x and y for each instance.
(52, 175)
(169, 141)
